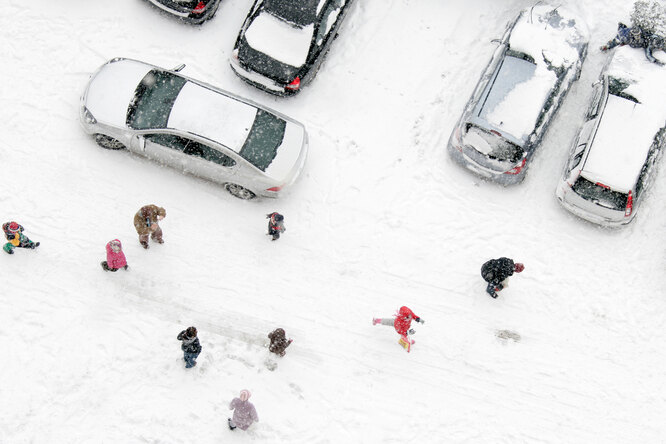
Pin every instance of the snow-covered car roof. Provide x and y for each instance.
(627, 129)
(553, 38)
(280, 40)
(200, 110)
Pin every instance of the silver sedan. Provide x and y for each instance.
(193, 127)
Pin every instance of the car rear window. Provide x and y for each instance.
(266, 134)
(301, 12)
(493, 146)
(153, 100)
(600, 194)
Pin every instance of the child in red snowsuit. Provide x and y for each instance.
(401, 322)
(115, 258)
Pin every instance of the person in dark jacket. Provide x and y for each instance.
(279, 342)
(16, 238)
(275, 225)
(636, 38)
(190, 346)
(497, 271)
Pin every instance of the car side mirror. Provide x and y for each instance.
(179, 68)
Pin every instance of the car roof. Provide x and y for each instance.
(210, 114)
(619, 147)
(627, 129)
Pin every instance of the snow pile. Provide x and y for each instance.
(647, 81)
(550, 35)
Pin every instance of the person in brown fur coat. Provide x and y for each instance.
(279, 342)
(146, 224)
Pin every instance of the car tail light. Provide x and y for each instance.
(201, 6)
(630, 205)
(294, 85)
(275, 189)
(517, 169)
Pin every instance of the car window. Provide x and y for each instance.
(617, 87)
(197, 149)
(497, 147)
(168, 140)
(600, 194)
(575, 160)
(192, 148)
(329, 17)
(266, 134)
(593, 110)
(153, 100)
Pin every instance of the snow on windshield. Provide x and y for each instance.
(519, 109)
(280, 40)
(550, 38)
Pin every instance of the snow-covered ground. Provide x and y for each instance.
(381, 218)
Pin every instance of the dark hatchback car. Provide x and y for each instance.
(282, 43)
(193, 11)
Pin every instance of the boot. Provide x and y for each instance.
(145, 245)
(231, 424)
(105, 266)
(376, 321)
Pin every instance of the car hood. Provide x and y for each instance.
(111, 90)
(290, 154)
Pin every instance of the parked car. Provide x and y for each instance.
(193, 127)
(538, 59)
(193, 11)
(613, 157)
(282, 43)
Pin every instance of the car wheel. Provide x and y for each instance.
(239, 192)
(108, 142)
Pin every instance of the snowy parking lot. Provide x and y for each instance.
(571, 352)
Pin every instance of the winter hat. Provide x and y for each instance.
(518, 267)
(115, 243)
(13, 227)
(244, 395)
(278, 217)
(191, 332)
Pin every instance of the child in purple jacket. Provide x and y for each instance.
(115, 258)
(244, 412)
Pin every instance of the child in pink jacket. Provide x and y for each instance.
(115, 258)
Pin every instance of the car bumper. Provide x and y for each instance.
(186, 16)
(471, 165)
(258, 80)
(568, 199)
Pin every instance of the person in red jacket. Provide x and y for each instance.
(401, 322)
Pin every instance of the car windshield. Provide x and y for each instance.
(153, 100)
(266, 134)
(493, 146)
(600, 194)
(617, 87)
(301, 12)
